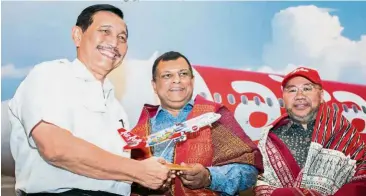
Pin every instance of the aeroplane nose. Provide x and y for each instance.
(217, 116)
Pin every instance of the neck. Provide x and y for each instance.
(99, 77)
(98, 74)
(302, 122)
(173, 112)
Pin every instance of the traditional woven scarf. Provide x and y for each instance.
(223, 143)
(336, 157)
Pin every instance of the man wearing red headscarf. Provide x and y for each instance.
(313, 149)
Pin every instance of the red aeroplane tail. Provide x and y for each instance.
(133, 141)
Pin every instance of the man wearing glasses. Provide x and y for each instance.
(221, 159)
(313, 149)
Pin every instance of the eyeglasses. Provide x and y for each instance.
(305, 89)
(182, 75)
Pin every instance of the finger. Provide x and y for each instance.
(188, 177)
(192, 172)
(172, 173)
(198, 170)
(161, 160)
(171, 176)
(167, 184)
(186, 182)
(186, 171)
(187, 164)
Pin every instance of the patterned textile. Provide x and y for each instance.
(163, 119)
(297, 139)
(224, 143)
(226, 179)
(336, 158)
(294, 192)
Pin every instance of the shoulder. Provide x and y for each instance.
(41, 82)
(46, 72)
(49, 73)
(43, 77)
(50, 68)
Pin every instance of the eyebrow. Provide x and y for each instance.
(110, 26)
(168, 71)
(309, 83)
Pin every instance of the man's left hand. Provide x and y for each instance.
(195, 178)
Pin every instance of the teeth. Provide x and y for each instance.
(107, 53)
(176, 89)
(301, 105)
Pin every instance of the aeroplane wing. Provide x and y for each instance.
(133, 141)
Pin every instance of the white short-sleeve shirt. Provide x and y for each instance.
(67, 95)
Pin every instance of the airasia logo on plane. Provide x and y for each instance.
(127, 136)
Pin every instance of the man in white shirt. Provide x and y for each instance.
(65, 118)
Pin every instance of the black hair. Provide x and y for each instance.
(85, 19)
(169, 56)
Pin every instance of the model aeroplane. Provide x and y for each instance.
(177, 132)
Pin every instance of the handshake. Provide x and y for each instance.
(158, 174)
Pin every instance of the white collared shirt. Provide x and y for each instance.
(65, 94)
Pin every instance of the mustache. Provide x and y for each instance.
(302, 100)
(303, 119)
(110, 48)
(307, 103)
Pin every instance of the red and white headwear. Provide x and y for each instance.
(305, 72)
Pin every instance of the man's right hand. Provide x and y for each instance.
(154, 174)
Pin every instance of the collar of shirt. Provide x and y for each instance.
(294, 125)
(161, 110)
(83, 73)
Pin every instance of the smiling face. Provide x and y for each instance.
(103, 45)
(173, 83)
(302, 99)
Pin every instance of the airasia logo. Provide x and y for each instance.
(128, 137)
